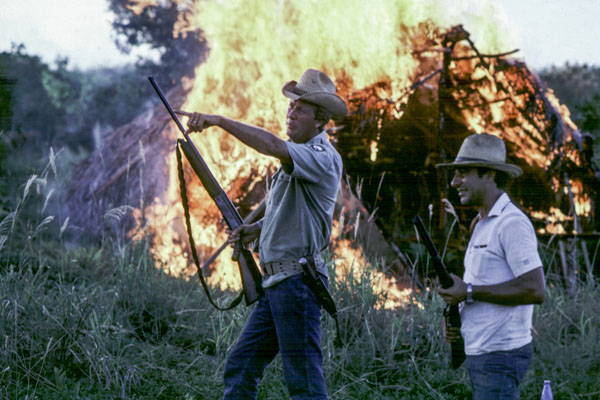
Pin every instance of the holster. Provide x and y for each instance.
(316, 285)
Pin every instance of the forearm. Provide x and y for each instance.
(259, 139)
(526, 289)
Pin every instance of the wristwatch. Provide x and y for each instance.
(469, 294)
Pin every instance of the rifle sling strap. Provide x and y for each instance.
(186, 211)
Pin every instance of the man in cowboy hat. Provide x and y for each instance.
(297, 223)
(503, 272)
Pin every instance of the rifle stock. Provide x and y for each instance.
(452, 313)
(249, 272)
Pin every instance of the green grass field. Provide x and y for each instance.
(92, 322)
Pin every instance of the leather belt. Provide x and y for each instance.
(289, 266)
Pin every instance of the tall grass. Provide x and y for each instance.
(94, 323)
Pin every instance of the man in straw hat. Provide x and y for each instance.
(297, 223)
(503, 272)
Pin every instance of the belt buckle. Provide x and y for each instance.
(268, 269)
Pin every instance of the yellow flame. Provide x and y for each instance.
(257, 45)
(350, 261)
(583, 203)
(554, 220)
(138, 6)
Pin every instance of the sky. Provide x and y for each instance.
(548, 32)
(78, 29)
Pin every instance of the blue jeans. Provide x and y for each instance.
(287, 319)
(497, 375)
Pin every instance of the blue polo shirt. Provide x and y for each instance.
(300, 203)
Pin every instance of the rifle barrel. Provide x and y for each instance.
(167, 106)
(210, 183)
(438, 263)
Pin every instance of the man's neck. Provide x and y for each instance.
(488, 202)
(315, 133)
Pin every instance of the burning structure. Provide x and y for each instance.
(457, 93)
(414, 91)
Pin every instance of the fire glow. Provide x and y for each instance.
(256, 46)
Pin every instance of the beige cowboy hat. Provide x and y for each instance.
(317, 88)
(483, 150)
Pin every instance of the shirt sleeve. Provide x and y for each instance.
(519, 242)
(311, 161)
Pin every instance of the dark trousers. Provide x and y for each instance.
(287, 319)
(497, 375)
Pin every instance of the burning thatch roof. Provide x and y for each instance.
(127, 169)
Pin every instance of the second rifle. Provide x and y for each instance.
(451, 313)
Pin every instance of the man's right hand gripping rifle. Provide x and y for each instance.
(451, 333)
(452, 296)
(246, 233)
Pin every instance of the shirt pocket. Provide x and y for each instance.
(277, 191)
(476, 255)
(488, 268)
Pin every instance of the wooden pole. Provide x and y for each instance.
(586, 258)
(566, 269)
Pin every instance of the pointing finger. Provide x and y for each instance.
(184, 113)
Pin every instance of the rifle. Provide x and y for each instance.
(249, 272)
(451, 312)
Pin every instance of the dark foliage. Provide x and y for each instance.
(574, 85)
(179, 52)
(29, 104)
(590, 113)
(45, 106)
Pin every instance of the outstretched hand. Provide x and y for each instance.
(198, 121)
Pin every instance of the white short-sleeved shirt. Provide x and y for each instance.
(503, 246)
(300, 204)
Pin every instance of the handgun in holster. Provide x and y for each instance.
(316, 285)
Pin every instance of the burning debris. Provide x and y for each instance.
(459, 91)
(411, 102)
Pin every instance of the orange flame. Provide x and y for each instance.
(553, 219)
(350, 262)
